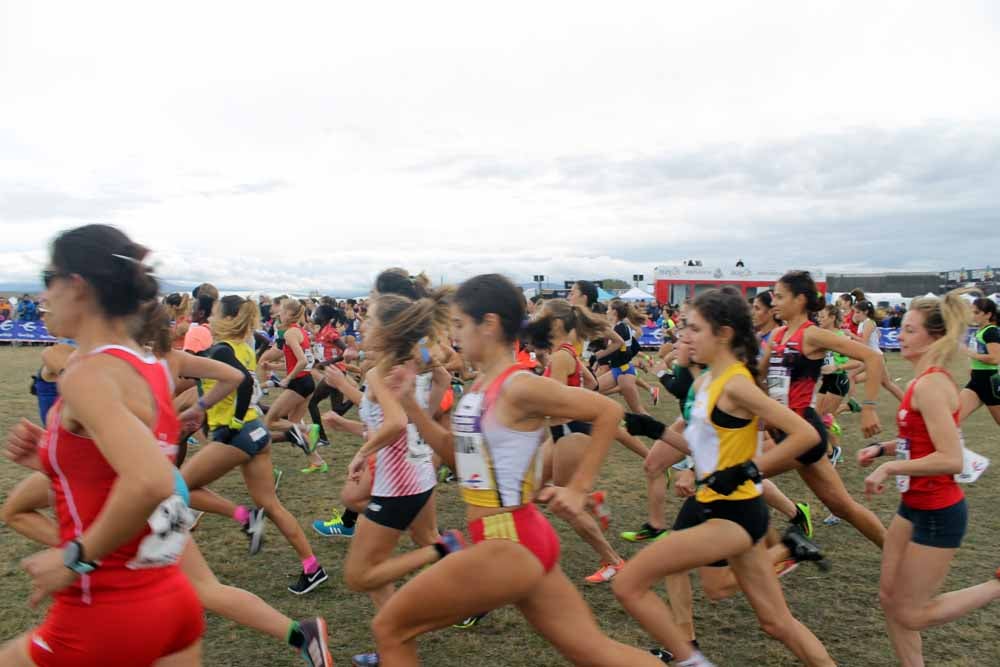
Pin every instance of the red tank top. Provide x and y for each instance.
(575, 378)
(290, 361)
(849, 324)
(326, 338)
(925, 493)
(82, 479)
(790, 371)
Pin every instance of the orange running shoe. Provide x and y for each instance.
(605, 573)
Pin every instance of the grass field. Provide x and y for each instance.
(840, 606)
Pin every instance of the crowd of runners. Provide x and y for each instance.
(149, 400)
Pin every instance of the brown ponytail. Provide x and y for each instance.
(401, 323)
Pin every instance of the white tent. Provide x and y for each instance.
(636, 294)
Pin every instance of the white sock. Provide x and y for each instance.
(696, 660)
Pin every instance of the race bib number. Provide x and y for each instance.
(973, 465)
(471, 457)
(319, 352)
(169, 528)
(902, 454)
(310, 359)
(417, 451)
(779, 381)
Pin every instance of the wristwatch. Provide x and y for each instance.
(73, 558)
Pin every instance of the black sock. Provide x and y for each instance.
(295, 637)
(349, 517)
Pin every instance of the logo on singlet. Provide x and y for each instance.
(40, 643)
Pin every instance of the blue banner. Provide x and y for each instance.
(652, 336)
(888, 338)
(12, 331)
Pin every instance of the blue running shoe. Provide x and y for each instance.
(365, 660)
(334, 527)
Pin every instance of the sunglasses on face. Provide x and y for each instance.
(48, 275)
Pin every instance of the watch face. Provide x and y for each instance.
(71, 554)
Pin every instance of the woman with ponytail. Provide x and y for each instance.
(932, 517)
(726, 519)
(863, 315)
(399, 462)
(792, 365)
(622, 346)
(240, 439)
(497, 430)
(123, 521)
(984, 355)
(555, 329)
(284, 419)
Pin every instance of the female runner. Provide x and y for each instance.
(928, 528)
(498, 429)
(984, 355)
(119, 596)
(727, 519)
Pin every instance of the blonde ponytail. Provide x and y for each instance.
(235, 318)
(946, 319)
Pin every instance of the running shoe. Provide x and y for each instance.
(831, 520)
(278, 474)
(451, 540)
(313, 437)
(308, 582)
(334, 527)
(254, 529)
(273, 380)
(803, 519)
(835, 428)
(315, 649)
(316, 467)
(322, 442)
(645, 534)
(470, 622)
(600, 509)
(605, 573)
(802, 549)
(853, 405)
(192, 441)
(836, 455)
(443, 473)
(655, 391)
(663, 654)
(299, 440)
(365, 660)
(198, 516)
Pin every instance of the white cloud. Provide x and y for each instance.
(278, 147)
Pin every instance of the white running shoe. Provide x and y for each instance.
(696, 660)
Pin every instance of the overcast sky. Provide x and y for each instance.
(291, 146)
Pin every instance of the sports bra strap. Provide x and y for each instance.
(493, 391)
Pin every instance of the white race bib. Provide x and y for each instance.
(779, 381)
(902, 454)
(417, 451)
(973, 466)
(471, 459)
(170, 527)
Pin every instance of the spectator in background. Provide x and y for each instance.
(896, 318)
(265, 309)
(27, 311)
(5, 309)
